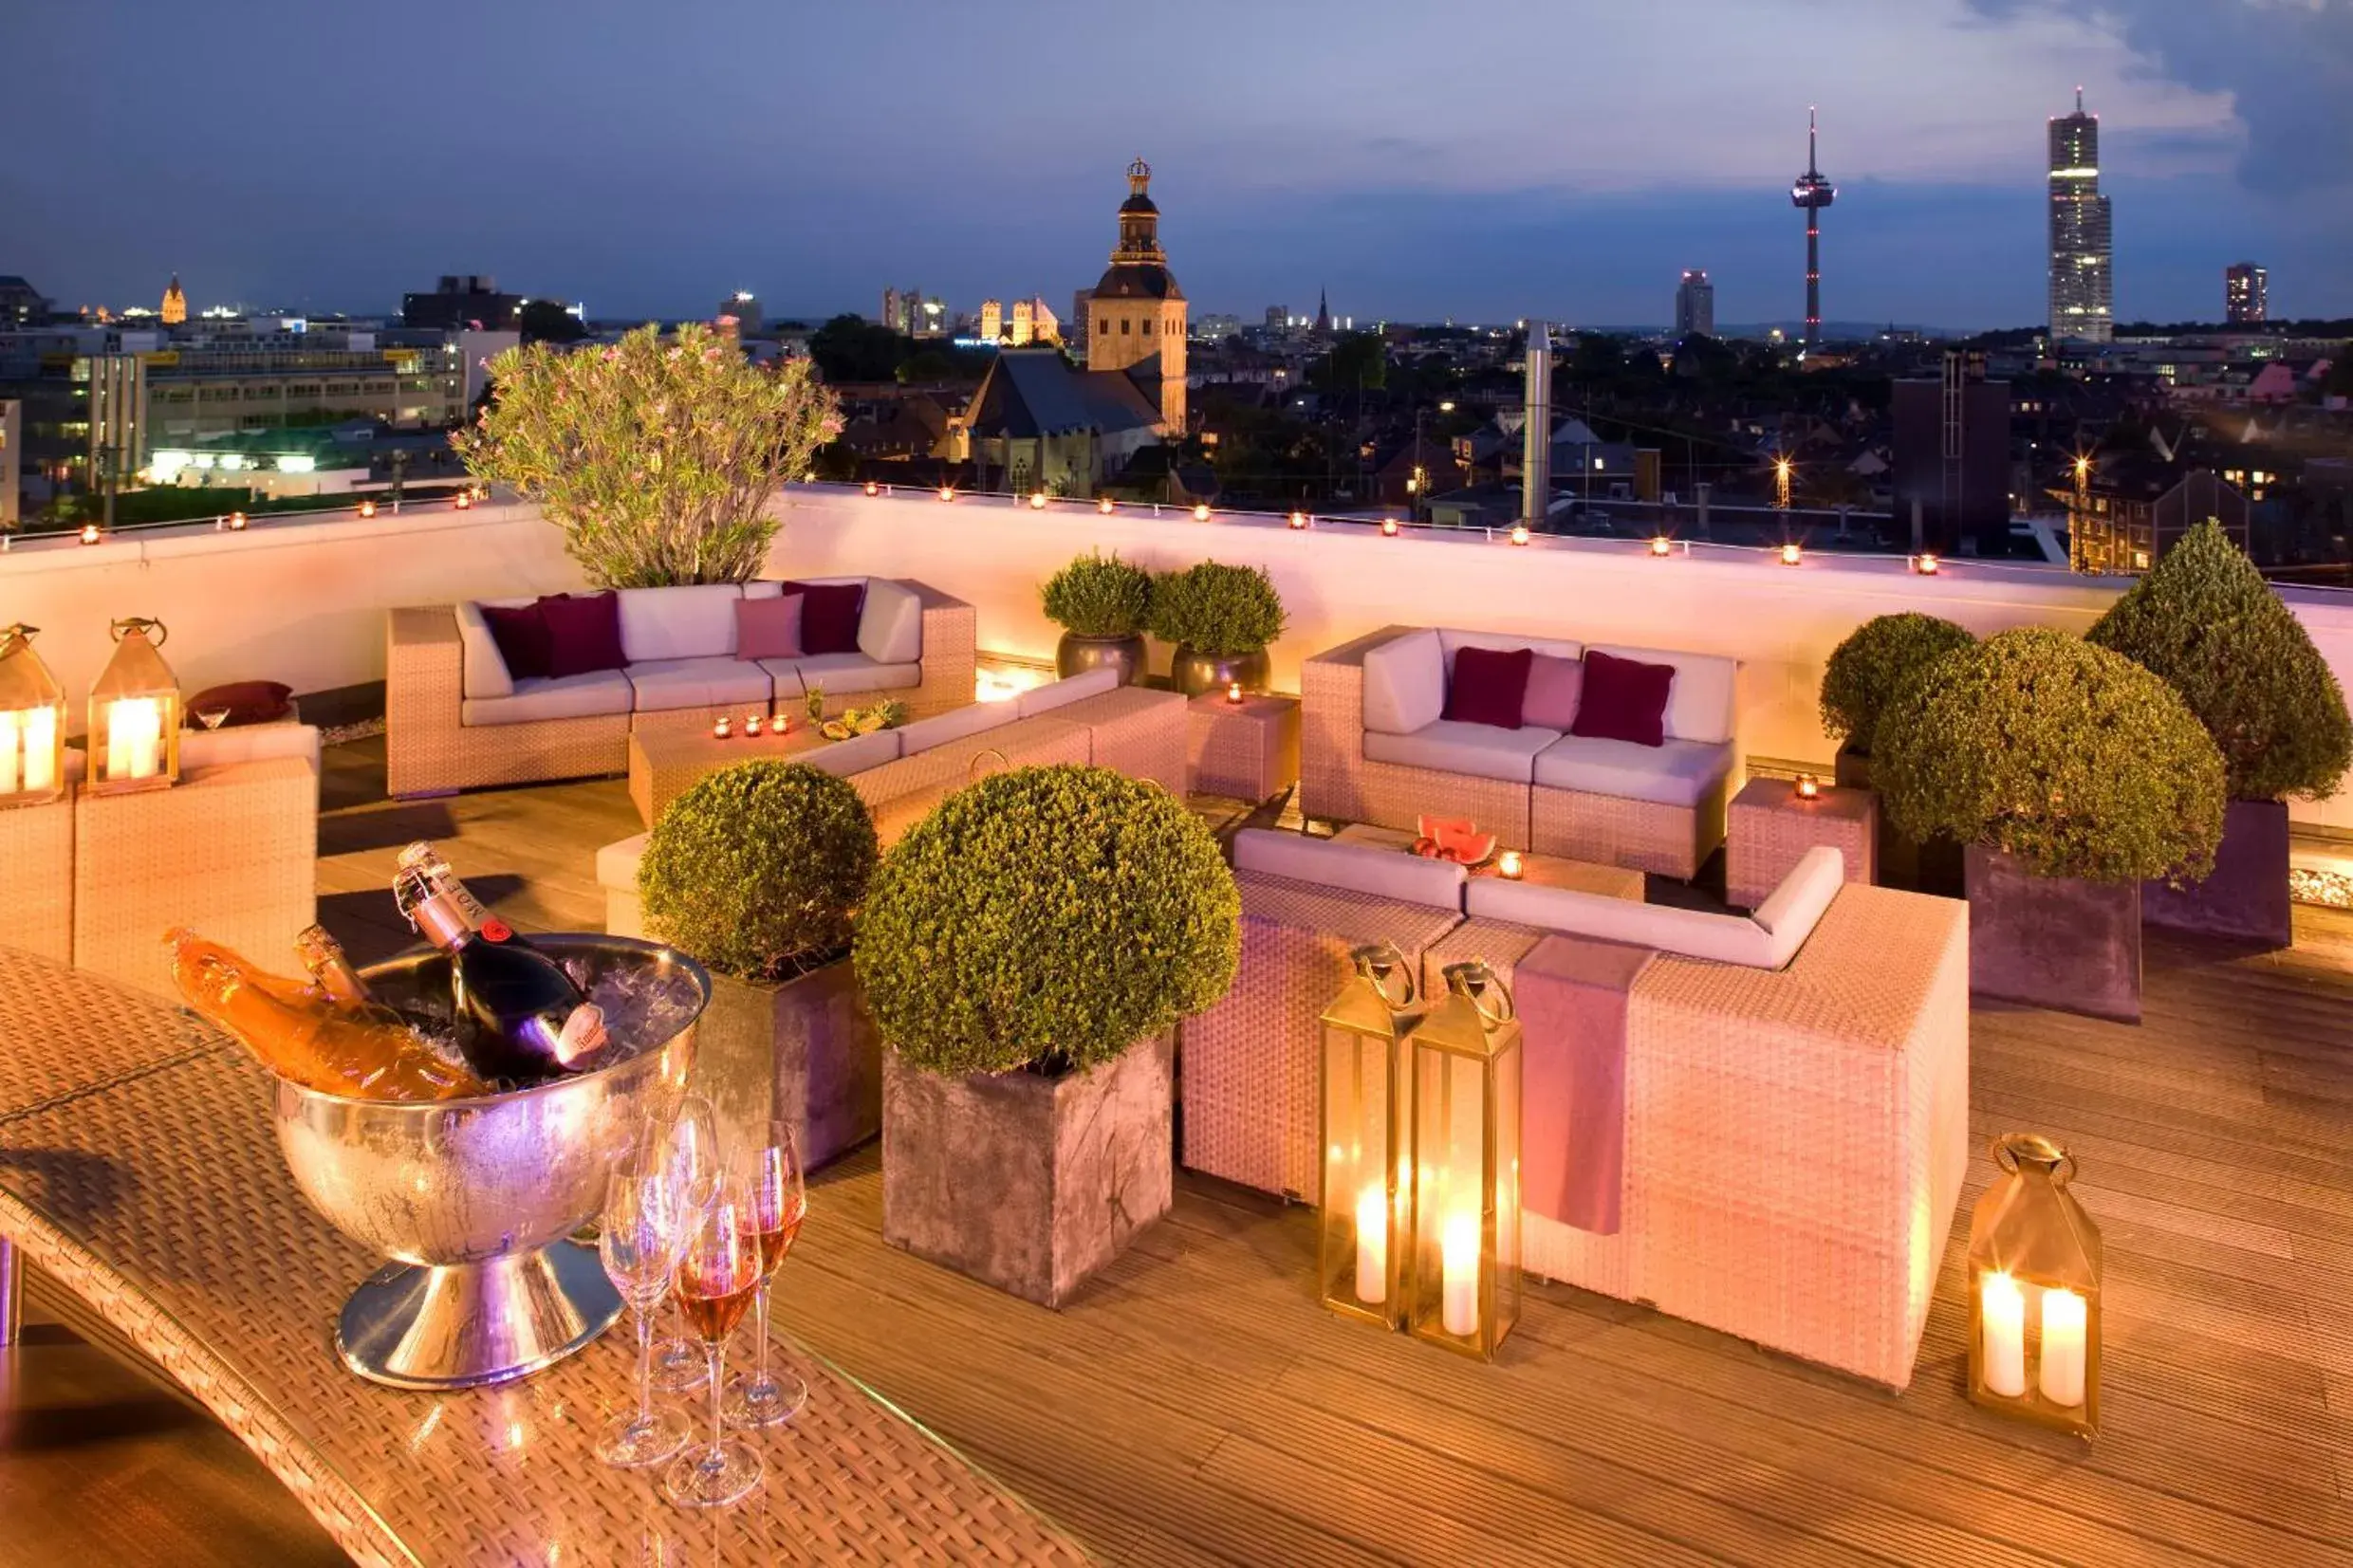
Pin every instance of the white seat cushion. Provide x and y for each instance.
(1795, 906)
(1449, 746)
(665, 684)
(844, 675)
(890, 623)
(566, 697)
(1699, 705)
(1404, 683)
(484, 673)
(1359, 868)
(1453, 641)
(1677, 773)
(956, 724)
(1062, 693)
(855, 755)
(697, 621)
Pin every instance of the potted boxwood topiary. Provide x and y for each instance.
(1221, 619)
(1878, 660)
(2207, 623)
(1027, 948)
(2073, 776)
(756, 871)
(1101, 603)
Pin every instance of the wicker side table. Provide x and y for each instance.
(1245, 750)
(665, 764)
(37, 857)
(1768, 827)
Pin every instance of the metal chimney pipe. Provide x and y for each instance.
(1536, 438)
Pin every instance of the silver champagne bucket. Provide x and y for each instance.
(473, 1199)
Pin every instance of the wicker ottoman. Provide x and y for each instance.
(1245, 752)
(1769, 827)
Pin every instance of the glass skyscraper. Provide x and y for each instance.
(2083, 286)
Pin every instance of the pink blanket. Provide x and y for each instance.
(1571, 993)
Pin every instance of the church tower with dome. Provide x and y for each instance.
(1135, 319)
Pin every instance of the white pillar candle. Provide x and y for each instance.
(133, 736)
(1458, 1273)
(2002, 1325)
(10, 745)
(1372, 1245)
(2065, 1319)
(147, 754)
(39, 730)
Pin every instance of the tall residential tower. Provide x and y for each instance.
(2082, 284)
(2246, 290)
(1694, 305)
(1812, 193)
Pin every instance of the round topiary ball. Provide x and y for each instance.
(1217, 609)
(1047, 917)
(1099, 595)
(2207, 623)
(756, 869)
(2073, 759)
(1876, 662)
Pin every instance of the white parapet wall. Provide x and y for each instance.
(303, 603)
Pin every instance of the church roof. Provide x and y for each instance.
(1140, 203)
(1138, 281)
(1033, 392)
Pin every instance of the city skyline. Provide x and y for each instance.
(1576, 183)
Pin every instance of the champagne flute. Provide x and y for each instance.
(641, 1232)
(718, 1274)
(771, 1170)
(687, 1144)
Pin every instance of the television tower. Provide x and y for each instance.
(1813, 193)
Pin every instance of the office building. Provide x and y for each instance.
(1138, 312)
(2246, 290)
(1694, 305)
(1952, 459)
(2083, 286)
(462, 301)
(20, 303)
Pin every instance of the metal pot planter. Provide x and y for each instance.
(1193, 672)
(1076, 655)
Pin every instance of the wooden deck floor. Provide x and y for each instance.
(1197, 1407)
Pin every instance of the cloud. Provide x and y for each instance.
(2287, 66)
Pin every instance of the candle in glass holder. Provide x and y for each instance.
(1299, 520)
(1372, 1245)
(1809, 786)
(2066, 1318)
(1927, 565)
(720, 731)
(1661, 545)
(1509, 866)
(2002, 1317)
(1233, 692)
(1389, 527)
(1459, 1268)
(873, 489)
(89, 533)
(1519, 533)
(1792, 555)
(751, 724)
(1201, 512)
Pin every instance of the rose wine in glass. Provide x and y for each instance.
(688, 1143)
(639, 1234)
(772, 1179)
(718, 1274)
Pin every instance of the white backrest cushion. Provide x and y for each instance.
(247, 743)
(696, 622)
(890, 624)
(1725, 938)
(1405, 683)
(1359, 868)
(1699, 706)
(763, 590)
(485, 672)
(1790, 911)
(1062, 693)
(956, 724)
(1453, 640)
(855, 755)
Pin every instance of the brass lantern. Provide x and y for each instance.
(1465, 1071)
(1364, 1192)
(32, 722)
(2034, 1270)
(135, 713)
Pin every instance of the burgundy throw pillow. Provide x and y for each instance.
(1554, 684)
(769, 628)
(247, 701)
(521, 633)
(1489, 686)
(584, 633)
(829, 615)
(1624, 699)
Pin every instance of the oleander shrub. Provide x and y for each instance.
(1217, 609)
(757, 869)
(2206, 622)
(1876, 662)
(1048, 918)
(2071, 757)
(1099, 595)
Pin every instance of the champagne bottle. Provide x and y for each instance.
(303, 1035)
(330, 967)
(519, 1015)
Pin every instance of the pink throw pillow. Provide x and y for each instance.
(1553, 687)
(769, 628)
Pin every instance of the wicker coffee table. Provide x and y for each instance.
(138, 1167)
(1768, 827)
(664, 764)
(1543, 871)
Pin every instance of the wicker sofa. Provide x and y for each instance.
(455, 719)
(1374, 749)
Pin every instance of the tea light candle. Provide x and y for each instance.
(89, 533)
(1372, 1245)
(367, 509)
(1389, 528)
(752, 724)
(2065, 1342)
(1661, 545)
(1926, 563)
(1105, 506)
(1509, 866)
(720, 731)
(1809, 786)
(1519, 533)
(1458, 1272)
(947, 492)
(873, 489)
(2002, 1325)
(1201, 512)
(1299, 520)
(1233, 692)
(1792, 555)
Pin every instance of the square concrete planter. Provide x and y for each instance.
(2055, 942)
(810, 1044)
(1028, 1183)
(2246, 896)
